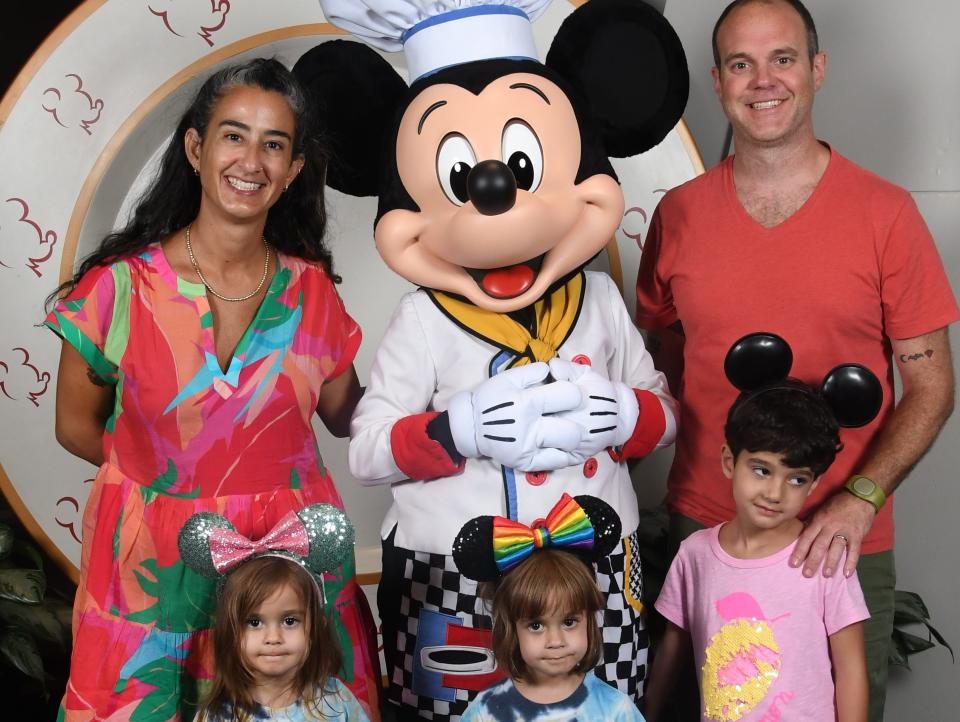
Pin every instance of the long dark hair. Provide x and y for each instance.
(295, 223)
(244, 591)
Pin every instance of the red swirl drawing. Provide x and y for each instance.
(74, 107)
(183, 18)
(29, 255)
(21, 380)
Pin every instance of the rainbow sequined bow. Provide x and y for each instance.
(567, 525)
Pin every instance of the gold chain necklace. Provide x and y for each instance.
(206, 283)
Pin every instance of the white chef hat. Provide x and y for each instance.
(436, 34)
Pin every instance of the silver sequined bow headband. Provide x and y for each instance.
(318, 538)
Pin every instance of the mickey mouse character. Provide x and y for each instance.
(512, 375)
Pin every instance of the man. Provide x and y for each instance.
(788, 236)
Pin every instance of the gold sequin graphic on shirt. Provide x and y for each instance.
(742, 661)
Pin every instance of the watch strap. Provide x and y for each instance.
(867, 489)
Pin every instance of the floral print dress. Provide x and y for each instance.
(187, 436)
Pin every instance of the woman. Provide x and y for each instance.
(199, 340)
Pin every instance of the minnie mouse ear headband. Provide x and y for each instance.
(759, 362)
(318, 538)
(488, 547)
(436, 34)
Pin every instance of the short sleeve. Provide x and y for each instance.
(350, 337)
(843, 603)
(915, 291)
(85, 317)
(332, 328)
(670, 603)
(655, 307)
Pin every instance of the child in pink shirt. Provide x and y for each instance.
(763, 635)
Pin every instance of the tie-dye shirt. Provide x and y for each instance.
(592, 700)
(336, 705)
(759, 630)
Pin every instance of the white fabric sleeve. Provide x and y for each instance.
(633, 365)
(402, 383)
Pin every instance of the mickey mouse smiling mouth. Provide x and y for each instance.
(508, 281)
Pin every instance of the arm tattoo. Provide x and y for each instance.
(94, 377)
(916, 356)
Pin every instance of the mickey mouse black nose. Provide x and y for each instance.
(492, 187)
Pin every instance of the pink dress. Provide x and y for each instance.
(186, 436)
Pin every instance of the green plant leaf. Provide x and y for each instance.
(23, 585)
(910, 643)
(895, 656)
(26, 550)
(939, 637)
(6, 540)
(21, 651)
(910, 609)
(910, 606)
(35, 619)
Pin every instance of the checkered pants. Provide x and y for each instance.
(416, 580)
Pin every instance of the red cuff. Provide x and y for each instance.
(651, 424)
(417, 455)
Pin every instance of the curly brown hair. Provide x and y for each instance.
(243, 592)
(547, 582)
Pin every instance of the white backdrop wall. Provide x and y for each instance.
(891, 102)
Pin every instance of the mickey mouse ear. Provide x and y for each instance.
(853, 393)
(758, 360)
(473, 550)
(194, 542)
(605, 522)
(331, 536)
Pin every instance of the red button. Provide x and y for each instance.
(582, 360)
(536, 478)
(590, 467)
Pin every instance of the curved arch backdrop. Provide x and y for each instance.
(80, 129)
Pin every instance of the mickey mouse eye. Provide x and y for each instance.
(455, 159)
(521, 151)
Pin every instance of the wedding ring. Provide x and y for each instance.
(842, 538)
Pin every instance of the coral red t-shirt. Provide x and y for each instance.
(854, 267)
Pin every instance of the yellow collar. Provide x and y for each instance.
(555, 317)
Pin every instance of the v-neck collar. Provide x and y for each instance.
(730, 188)
(196, 293)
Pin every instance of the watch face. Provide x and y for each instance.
(864, 486)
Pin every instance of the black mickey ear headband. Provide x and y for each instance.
(759, 362)
(488, 547)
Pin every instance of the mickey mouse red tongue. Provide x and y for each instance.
(508, 281)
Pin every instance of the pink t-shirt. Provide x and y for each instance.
(854, 267)
(759, 630)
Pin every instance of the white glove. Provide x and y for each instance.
(608, 413)
(508, 419)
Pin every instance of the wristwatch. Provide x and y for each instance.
(866, 489)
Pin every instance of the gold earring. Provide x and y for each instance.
(196, 171)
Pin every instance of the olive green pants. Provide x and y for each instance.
(877, 580)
